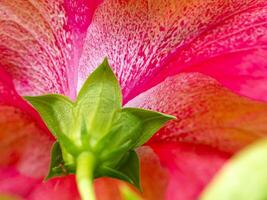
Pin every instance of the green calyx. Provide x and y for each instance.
(98, 129)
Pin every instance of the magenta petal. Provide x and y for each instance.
(79, 16)
(233, 51)
(148, 41)
(14, 183)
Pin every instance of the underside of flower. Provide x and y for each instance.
(96, 137)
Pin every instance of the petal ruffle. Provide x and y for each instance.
(146, 41)
(207, 113)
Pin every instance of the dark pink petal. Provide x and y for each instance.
(14, 183)
(207, 113)
(79, 16)
(146, 41)
(24, 140)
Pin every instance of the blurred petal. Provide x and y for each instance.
(146, 41)
(37, 43)
(190, 168)
(206, 112)
(169, 171)
(58, 188)
(64, 188)
(24, 140)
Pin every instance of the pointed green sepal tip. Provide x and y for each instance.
(150, 122)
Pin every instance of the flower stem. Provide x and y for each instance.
(84, 175)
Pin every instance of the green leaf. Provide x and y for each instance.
(151, 122)
(99, 100)
(244, 177)
(57, 166)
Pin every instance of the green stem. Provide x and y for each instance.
(84, 175)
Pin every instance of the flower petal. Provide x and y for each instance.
(24, 140)
(206, 112)
(146, 41)
(233, 52)
(14, 183)
(190, 168)
(34, 45)
(63, 188)
(38, 43)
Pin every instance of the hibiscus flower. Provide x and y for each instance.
(201, 61)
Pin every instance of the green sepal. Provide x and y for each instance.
(130, 166)
(57, 165)
(151, 122)
(128, 170)
(99, 100)
(56, 111)
(133, 128)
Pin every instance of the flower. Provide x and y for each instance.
(202, 61)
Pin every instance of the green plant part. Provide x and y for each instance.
(95, 135)
(244, 177)
(128, 194)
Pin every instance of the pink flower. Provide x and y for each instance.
(202, 61)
